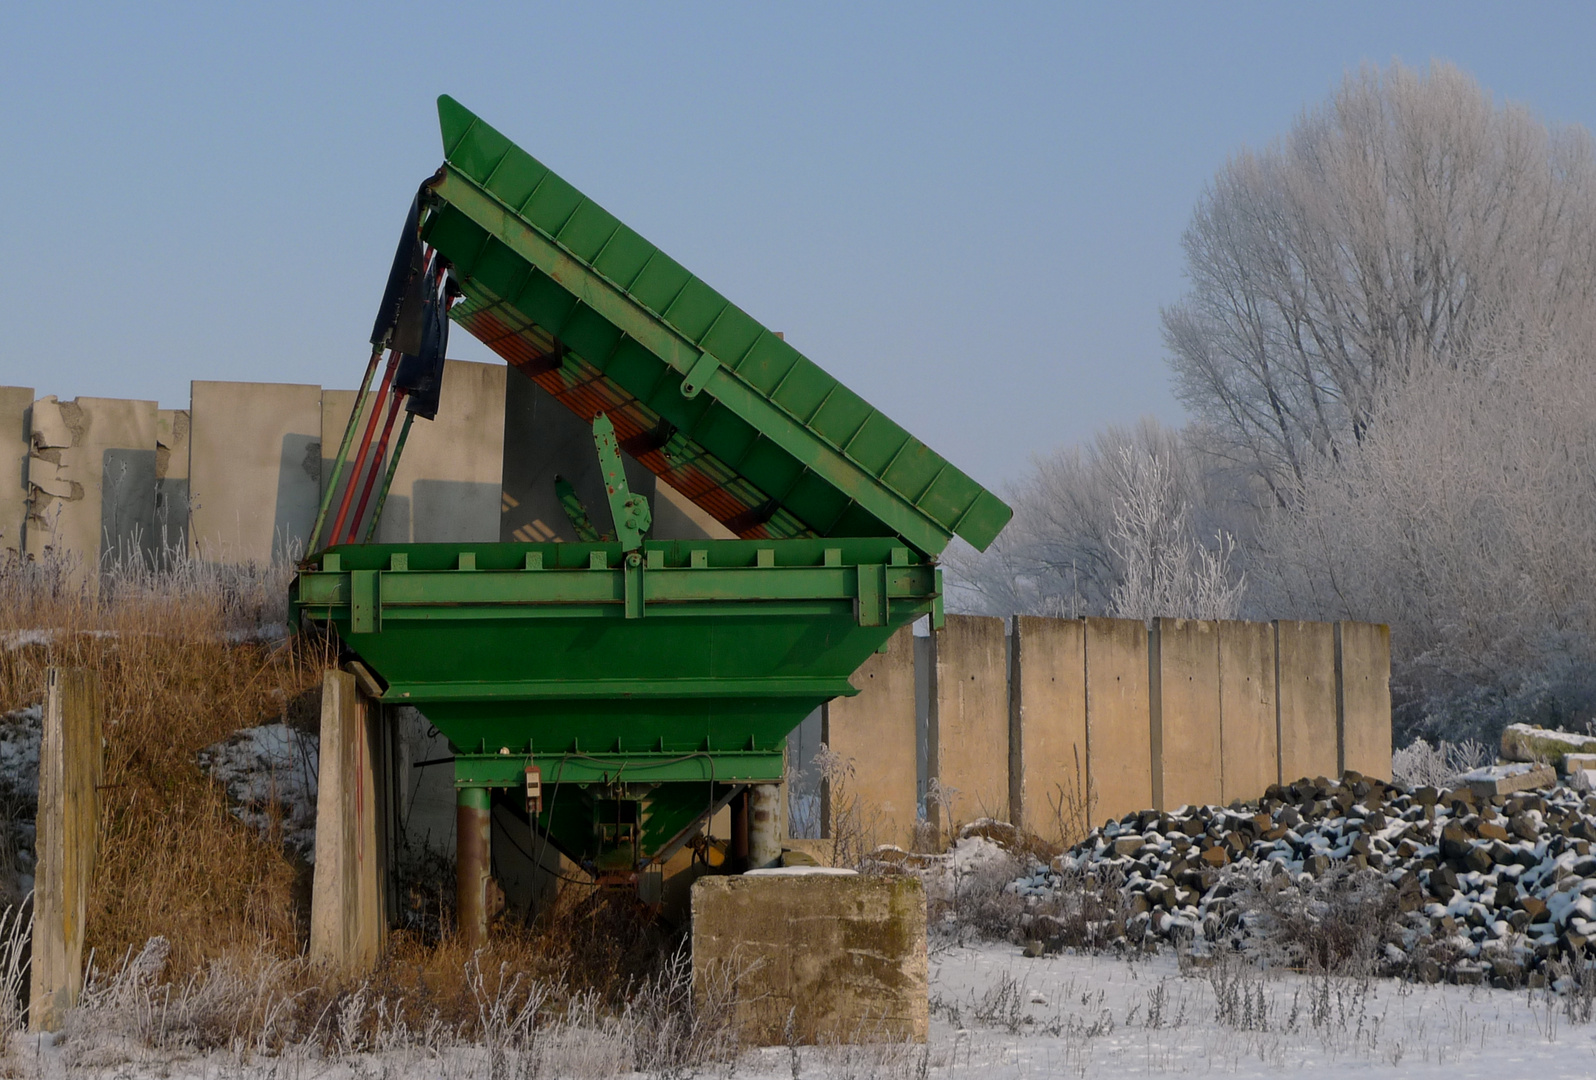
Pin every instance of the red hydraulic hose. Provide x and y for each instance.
(376, 464)
(365, 444)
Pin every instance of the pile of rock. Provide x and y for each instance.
(1492, 881)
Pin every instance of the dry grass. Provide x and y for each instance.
(185, 656)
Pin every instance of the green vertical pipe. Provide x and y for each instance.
(387, 481)
(343, 451)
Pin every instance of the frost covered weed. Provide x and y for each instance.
(16, 927)
(1337, 924)
(492, 1020)
(1419, 764)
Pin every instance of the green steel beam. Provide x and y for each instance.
(725, 766)
(568, 690)
(675, 350)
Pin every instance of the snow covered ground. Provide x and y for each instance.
(997, 1015)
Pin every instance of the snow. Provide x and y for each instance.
(803, 871)
(997, 1015)
(271, 764)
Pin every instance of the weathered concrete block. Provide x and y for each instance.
(255, 469)
(1525, 742)
(71, 770)
(1363, 668)
(1185, 725)
(16, 402)
(1306, 662)
(1118, 720)
(1249, 738)
(347, 906)
(91, 479)
(1506, 779)
(875, 731)
(1047, 732)
(969, 727)
(843, 954)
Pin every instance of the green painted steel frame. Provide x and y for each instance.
(720, 766)
(715, 350)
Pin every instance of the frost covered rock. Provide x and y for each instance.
(270, 776)
(1502, 884)
(1526, 742)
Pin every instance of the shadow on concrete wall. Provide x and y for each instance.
(127, 507)
(298, 494)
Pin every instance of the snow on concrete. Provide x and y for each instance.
(270, 770)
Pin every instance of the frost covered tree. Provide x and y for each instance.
(1120, 525)
(1390, 228)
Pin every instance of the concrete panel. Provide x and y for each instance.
(876, 731)
(1186, 713)
(1118, 722)
(71, 770)
(1306, 676)
(91, 478)
(543, 439)
(1047, 732)
(254, 469)
(1250, 750)
(171, 482)
(448, 488)
(1363, 659)
(16, 403)
(969, 729)
(827, 957)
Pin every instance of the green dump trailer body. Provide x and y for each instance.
(647, 685)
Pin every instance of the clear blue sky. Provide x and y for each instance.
(969, 214)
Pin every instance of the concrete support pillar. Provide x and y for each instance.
(472, 860)
(348, 912)
(764, 826)
(71, 769)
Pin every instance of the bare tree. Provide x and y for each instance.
(1463, 519)
(1388, 229)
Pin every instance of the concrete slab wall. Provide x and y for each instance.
(1185, 713)
(1305, 673)
(449, 485)
(16, 405)
(1249, 747)
(1363, 670)
(543, 439)
(969, 729)
(875, 731)
(91, 480)
(1118, 720)
(255, 469)
(1047, 730)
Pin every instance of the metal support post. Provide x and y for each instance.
(472, 818)
(387, 481)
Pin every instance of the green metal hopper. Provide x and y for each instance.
(646, 681)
